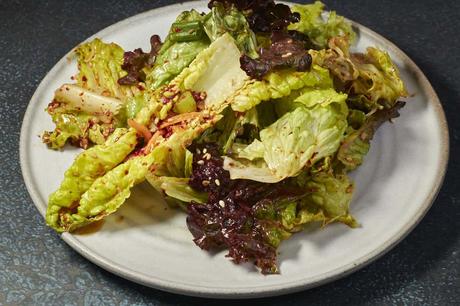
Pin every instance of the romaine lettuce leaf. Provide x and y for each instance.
(82, 117)
(230, 20)
(174, 56)
(320, 29)
(296, 215)
(87, 167)
(379, 80)
(298, 139)
(276, 85)
(79, 129)
(99, 67)
(87, 112)
(309, 98)
(215, 71)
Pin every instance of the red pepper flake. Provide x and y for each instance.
(167, 131)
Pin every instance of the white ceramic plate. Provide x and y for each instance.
(152, 246)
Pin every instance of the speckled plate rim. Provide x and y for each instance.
(255, 291)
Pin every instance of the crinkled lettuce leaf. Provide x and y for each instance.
(329, 198)
(174, 56)
(372, 79)
(379, 80)
(276, 85)
(356, 144)
(99, 67)
(80, 129)
(310, 97)
(298, 139)
(230, 20)
(318, 28)
(87, 167)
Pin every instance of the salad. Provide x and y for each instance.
(248, 118)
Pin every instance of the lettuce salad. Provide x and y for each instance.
(248, 117)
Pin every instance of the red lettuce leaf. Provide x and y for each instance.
(231, 218)
(135, 61)
(285, 51)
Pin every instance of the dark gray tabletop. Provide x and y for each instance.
(36, 267)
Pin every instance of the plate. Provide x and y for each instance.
(149, 243)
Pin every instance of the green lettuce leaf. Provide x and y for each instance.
(330, 196)
(298, 139)
(276, 85)
(310, 97)
(82, 117)
(356, 145)
(177, 188)
(320, 29)
(174, 56)
(379, 81)
(87, 167)
(99, 67)
(228, 19)
(372, 79)
(297, 214)
(215, 71)
(87, 112)
(79, 129)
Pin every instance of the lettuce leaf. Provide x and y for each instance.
(330, 196)
(215, 71)
(87, 112)
(277, 85)
(320, 29)
(177, 188)
(230, 20)
(298, 139)
(87, 167)
(174, 56)
(310, 97)
(79, 129)
(99, 67)
(372, 79)
(356, 145)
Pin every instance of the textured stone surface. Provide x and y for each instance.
(36, 267)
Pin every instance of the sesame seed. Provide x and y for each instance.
(222, 203)
(205, 183)
(217, 182)
(198, 151)
(207, 156)
(286, 55)
(200, 162)
(205, 150)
